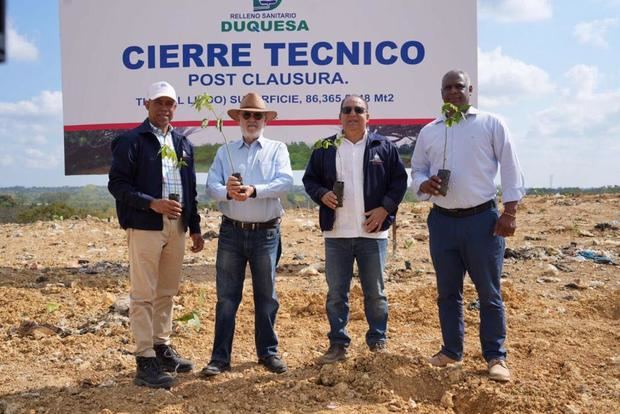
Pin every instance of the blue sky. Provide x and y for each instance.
(550, 68)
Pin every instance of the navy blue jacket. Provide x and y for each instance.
(385, 178)
(135, 179)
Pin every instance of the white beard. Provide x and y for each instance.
(252, 135)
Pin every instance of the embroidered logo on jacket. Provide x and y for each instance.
(376, 160)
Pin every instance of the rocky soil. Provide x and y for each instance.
(65, 346)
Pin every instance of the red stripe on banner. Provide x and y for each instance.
(276, 122)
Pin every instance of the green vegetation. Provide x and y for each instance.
(24, 205)
(300, 154)
(204, 156)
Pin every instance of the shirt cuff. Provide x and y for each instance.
(512, 195)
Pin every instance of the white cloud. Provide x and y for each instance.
(6, 160)
(31, 134)
(38, 159)
(47, 103)
(582, 111)
(19, 47)
(595, 32)
(504, 80)
(515, 10)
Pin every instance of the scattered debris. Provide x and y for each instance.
(34, 330)
(475, 305)
(595, 257)
(614, 225)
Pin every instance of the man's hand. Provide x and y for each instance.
(170, 208)
(375, 219)
(431, 186)
(507, 222)
(197, 242)
(236, 191)
(330, 200)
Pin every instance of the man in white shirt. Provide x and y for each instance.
(466, 230)
(355, 229)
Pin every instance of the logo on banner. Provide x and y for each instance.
(264, 5)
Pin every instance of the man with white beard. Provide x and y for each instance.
(248, 194)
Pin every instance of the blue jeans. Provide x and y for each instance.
(235, 249)
(467, 244)
(370, 255)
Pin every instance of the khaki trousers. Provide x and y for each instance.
(155, 261)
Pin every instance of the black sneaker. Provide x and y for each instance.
(335, 353)
(149, 373)
(214, 368)
(170, 359)
(274, 364)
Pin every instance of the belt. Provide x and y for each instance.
(464, 212)
(244, 225)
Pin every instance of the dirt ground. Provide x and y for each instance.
(66, 348)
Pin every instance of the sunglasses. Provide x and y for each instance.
(358, 109)
(255, 115)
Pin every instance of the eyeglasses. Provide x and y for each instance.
(255, 115)
(358, 109)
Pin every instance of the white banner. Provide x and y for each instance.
(303, 56)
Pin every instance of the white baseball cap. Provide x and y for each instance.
(159, 89)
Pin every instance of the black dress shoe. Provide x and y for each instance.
(214, 368)
(170, 359)
(274, 364)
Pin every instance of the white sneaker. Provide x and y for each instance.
(498, 370)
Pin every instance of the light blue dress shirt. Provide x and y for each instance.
(475, 148)
(266, 165)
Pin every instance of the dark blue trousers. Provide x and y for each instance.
(236, 248)
(467, 244)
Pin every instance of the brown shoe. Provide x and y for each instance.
(442, 360)
(498, 370)
(335, 353)
(379, 347)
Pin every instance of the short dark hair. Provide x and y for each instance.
(457, 72)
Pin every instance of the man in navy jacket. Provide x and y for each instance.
(355, 224)
(153, 180)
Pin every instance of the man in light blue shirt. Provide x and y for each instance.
(466, 230)
(248, 194)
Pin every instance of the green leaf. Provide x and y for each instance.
(203, 101)
(169, 153)
(52, 307)
(454, 114)
(194, 323)
(219, 123)
(204, 123)
(325, 143)
(188, 317)
(192, 319)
